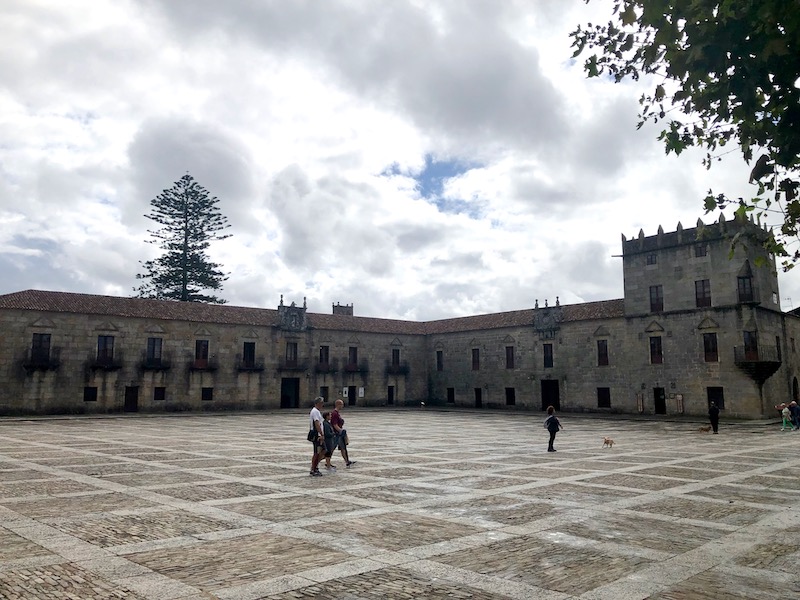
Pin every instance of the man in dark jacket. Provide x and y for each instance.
(713, 415)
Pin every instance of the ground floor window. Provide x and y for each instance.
(90, 394)
(603, 397)
(207, 394)
(159, 393)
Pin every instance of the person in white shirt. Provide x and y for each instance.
(316, 435)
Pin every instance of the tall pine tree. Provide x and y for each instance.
(190, 220)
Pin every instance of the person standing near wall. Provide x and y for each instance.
(552, 424)
(713, 416)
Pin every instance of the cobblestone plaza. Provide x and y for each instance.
(457, 505)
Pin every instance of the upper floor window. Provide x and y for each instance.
(656, 298)
(352, 356)
(154, 345)
(201, 354)
(652, 258)
(440, 360)
(656, 354)
(700, 250)
(249, 354)
(602, 353)
(105, 348)
(324, 355)
(750, 345)
(548, 355)
(702, 293)
(745, 289)
(509, 357)
(476, 359)
(40, 347)
(291, 354)
(710, 347)
(395, 357)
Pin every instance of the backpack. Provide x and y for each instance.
(551, 424)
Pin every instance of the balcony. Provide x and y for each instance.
(249, 364)
(758, 363)
(361, 367)
(292, 365)
(203, 364)
(398, 369)
(37, 360)
(155, 363)
(104, 362)
(325, 368)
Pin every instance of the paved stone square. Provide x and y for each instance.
(440, 504)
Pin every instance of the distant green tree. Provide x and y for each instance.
(190, 221)
(725, 71)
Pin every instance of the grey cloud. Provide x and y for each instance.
(163, 150)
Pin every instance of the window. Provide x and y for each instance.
(548, 355)
(291, 354)
(656, 356)
(751, 345)
(395, 357)
(716, 396)
(702, 293)
(652, 259)
(201, 354)
(159, 394)
(656, 298)
(324, 355)
(249, 354)
(352, 357)
(511, 396)
(602, 353)
(700, 250)
(509, 357)
(603, 397)
(451, 395)
(476, 359)
(774, 297)
(105, 348)
(207, 394)
(153, 355)
(710, 347)
(440, 360)
(745, 289)
(324, 392)
(90, 394)
(40, 348)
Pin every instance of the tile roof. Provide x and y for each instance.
(68, 302)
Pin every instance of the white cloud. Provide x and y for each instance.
(309, 121)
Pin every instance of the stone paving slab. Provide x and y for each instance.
(222, 506)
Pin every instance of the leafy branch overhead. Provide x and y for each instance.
(725, 72)
(189, 221)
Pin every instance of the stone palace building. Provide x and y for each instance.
(699, 322)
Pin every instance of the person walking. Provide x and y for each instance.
(316, 435)
(713, 416)
(794, 410)
(330, 439)
(552, 424)
(786, 415)
(341, 433)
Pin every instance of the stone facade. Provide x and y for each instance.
(698, 322)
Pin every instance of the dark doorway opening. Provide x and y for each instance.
(290, 392)
(351, 395)
(550, 394)
(478, 398)
(131, 399)
(390, 395)
(659, 401)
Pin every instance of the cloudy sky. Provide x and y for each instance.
(420, 159)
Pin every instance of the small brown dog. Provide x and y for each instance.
(705, 428)
(608, 442)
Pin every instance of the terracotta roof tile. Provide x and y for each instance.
(48, 301)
